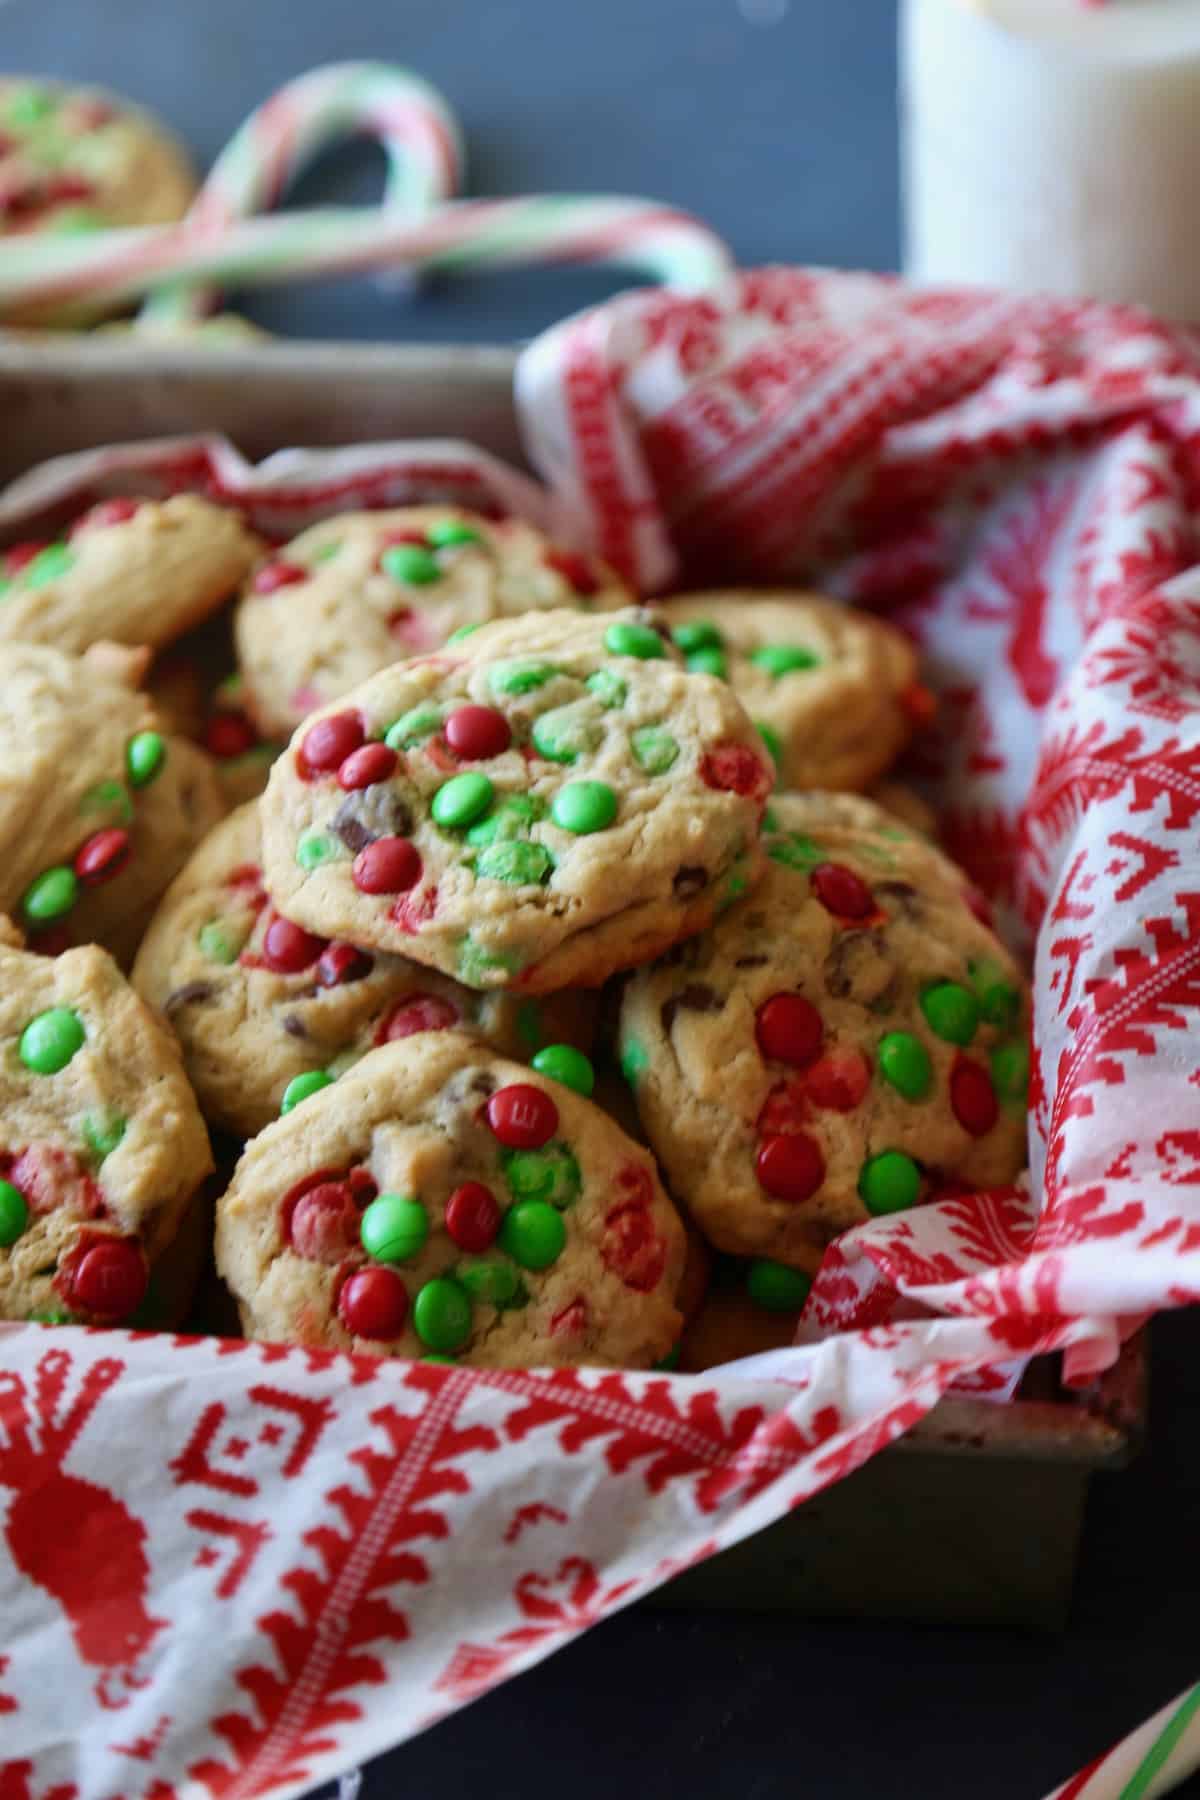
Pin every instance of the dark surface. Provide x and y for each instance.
(782, 136)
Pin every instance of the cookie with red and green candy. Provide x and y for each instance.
(546, 801)
(76, 159)
(102, 1148)
(841, 1044)
(833, 690)
(266, 1012)
(99, 808)
(442, 1201)
(128, 571)
(361, 590)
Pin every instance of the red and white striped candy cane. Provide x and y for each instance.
(281, 138)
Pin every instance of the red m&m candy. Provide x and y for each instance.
(278, 574)
(323, 1224)
(788, 1029)
(327, 744)
(103, 855)
(287, 948)
(229, 734)
(477, 732)
(109, 1278)
(734, 769)
(373, 762)
(972, 1098)
(522, 1116)
(790, 1168)
(417, 1012)
(341, 964)
(473, 1216)
(391, 865)
(842, 892)
(373, 1303)
(839, 1081)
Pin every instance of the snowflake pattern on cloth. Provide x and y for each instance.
(1016, 481)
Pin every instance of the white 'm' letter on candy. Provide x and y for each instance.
(1054, 145)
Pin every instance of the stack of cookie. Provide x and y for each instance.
(562, 833)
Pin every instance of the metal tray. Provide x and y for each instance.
(976, 1515)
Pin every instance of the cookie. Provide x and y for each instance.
(443, 1200)
(548, 801)
(129, 572)
(74, 159)
(102, 1147)
(98, 808)
(260, 1006)
(356, 593)
(834, 691)
(845, 1042)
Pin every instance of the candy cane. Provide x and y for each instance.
(65, 280)
(1150, 1761)
(415, 127)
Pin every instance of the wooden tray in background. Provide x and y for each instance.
(976, 1515)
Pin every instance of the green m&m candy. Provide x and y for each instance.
(519, 677)
(303, 1087)
(314, 848)
(464, 631)
(48, 565)
(50, 894)
(533, 1234)
(584, 806)
(442, 1314)
(889, 1182)
(566, 732)
(394, 1228)
(951, 1012)
(634, 1060)
(462, 799)
(102, 1132)
(14, 1214)
(50, 1041)
(670, 1361)
(443, 534)
(1010, 1071)
(551, 1174)
(145, 755)
(783, 659)
(411, 564)
(999, 1000)
(218, 942)
(707, 662)
(562, 1062)
(414, 726)
(628, 639)
(608, 688)
(520, 863)
(775, 1287)
(904, 1064)
(697, 634)
(495, 1283)
(510, 817)
(654, 749)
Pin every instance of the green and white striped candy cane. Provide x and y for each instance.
(68, 280)
(1150, 1761)
(288, 132)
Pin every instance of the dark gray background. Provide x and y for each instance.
(782, 135)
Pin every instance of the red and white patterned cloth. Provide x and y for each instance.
(234, 1570)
